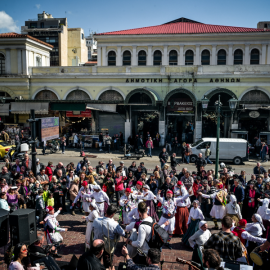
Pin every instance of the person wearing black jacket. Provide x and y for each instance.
(167, 185)
(152, 183)
(5, 175)
(56, 188)
(90, 259)
(174, 162)
(163, 157)
(61, 167)
(238, 192)
(133, 168)
(144, 170)
(63, 180)
(200, 162)
(123, 169)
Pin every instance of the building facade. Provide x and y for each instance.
(154, 78)
(69, 44)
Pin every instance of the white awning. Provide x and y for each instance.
(26, 107)
(255, 107)
(4, 109)
(102, 107)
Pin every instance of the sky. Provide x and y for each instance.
(104, 15)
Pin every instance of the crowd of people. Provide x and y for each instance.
(178, 203)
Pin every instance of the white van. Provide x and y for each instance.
(230, 149)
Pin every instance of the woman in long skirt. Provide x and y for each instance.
(264, 212)
(94, 213)
(232, 210)
(195, 216)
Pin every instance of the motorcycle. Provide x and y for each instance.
(127, 152)
(53, 146)
(11, 154)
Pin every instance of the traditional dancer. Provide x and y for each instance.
(197, 241)
(128, 203)
(238, 230)
(168, 213)
(183, 203)
(52, 227)
(101, 198)
(94, 213)
(233, 210)
(256, 229)
(219, 202)
(264, 212)
(137, 190)
(84, 195)
(195, 216)
(149, 197)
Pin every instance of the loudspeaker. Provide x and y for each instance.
(4, 227)
(23, 226)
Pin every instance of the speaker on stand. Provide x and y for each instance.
(23, 226)
(4, 227)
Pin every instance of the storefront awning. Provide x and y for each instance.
(67, 106)
(102, 107)
(255, 107)
(26, 107)
(4, 109)
(239, 132)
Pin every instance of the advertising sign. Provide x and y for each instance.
(49, 128)
(86, 113)
(180, 105)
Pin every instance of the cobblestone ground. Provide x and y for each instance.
(75, 236)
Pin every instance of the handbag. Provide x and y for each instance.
(104, 188)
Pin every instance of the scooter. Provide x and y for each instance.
(127, 152)
(53, 146)
(11, 154)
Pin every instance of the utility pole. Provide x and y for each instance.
(218, 134)
(32, 122)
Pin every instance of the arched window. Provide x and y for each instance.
(221, 57)
(142, 58)
(238, 57)
(2, 64)
(157, 58)
(255, 57)
(205, 57)
(111, 58)
(126, 58)
(189, 58)
(173, 58)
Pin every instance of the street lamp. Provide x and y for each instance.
(218, 105)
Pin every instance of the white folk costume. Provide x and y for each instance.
(148, 197)
(128, 203)
(52, 227)
(84, 195)
(101, 198)
(264, 212)
(182, 203)
(233, 210)
(255, 229)
(219, 202)
(195, 216)
(90, 219)
(197, 241)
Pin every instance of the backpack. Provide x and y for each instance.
(159, 236)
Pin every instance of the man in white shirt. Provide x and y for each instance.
(144, 235)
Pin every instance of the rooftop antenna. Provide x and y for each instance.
(65, 14)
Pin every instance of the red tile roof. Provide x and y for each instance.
(15, 35)
(184, 28)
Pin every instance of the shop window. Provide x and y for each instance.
(126, 58)
(189, 58)
(221, 57)
(203, 145)
(238, 57)
(77, 95)
(2, 64)
(205, 57)
(157, 58)
(46, 95)
(255, 57)
(111, 58)
(173, 58)
(142, 58)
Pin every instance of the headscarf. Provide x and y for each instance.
(93, 204)
(196, 201)
(265, 206)
(96, 187)
(202, 222)
(146, 186)
(259, 219)
(233, 202)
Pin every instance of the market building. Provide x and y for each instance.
(154, 78)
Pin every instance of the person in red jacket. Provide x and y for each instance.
(119, 186)
(195, 187)
(239, 229)
(49, 170)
